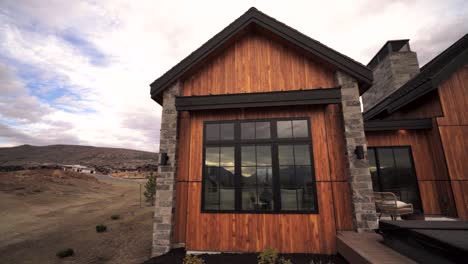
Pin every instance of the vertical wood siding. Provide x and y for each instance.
(308, 233)
(255, 63)
(429, 162)
(453, 127)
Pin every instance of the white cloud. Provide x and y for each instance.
(108, 104)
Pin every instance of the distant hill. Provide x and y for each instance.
(113, 158)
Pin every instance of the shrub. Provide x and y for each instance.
(115, 217)
(101, 228)
(191, 259)
(270, 256)
(150, 188)
(65, 253)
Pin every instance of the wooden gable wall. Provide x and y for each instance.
(256, 63)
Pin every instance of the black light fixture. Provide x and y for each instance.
(164, 159)
(359, 151)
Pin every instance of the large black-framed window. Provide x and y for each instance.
(258, 166)
(392, 170)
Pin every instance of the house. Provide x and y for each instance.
(416, 127)
(78, 168)
(263, 143)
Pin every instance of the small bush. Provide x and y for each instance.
(191, 259)
(270, 256)
(150, 188)
(101, 228)
(65, 253)
(115, 217)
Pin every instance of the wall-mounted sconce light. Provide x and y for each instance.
(359, 151)
(164, 159)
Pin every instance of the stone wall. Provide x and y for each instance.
(390, 74)
(165, 183)
(362, 197)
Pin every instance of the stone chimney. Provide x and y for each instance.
(393, 66)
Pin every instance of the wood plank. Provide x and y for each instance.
(336, 145)
(455, 141)
(453, 93)
(460, 191)
(180, 219)
(342, 203)
(183, 147)
(437, 198)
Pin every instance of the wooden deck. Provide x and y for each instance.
(367, 248)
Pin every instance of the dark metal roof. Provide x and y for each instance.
(384, 125)
(283, 98)
(432, 74)
(342, 62)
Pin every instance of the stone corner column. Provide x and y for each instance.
(359, 178)
(165, 182)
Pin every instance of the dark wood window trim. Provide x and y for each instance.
(274, 142)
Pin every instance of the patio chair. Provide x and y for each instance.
(388, 203)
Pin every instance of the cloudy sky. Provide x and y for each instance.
(78, 72)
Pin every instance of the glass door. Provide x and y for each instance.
(392, 170)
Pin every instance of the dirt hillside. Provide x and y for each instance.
(116, 158)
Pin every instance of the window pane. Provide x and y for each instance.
(387, 171)
(263, 155)
(288, 199)
(249, 176)
(249, 198)
(302, 155)
(227, 156)
(248, 156)
(211, 188)
(373, 169)
(212, 156)
(284, 129)
(287, 176)
(264, 177)
(285, 155)
(300, 128)
(248, 130)
(306, 198)
(263, 130)
(227, 131)
(226, 176)
(303, 176)
(212, 132)
(265, 198)
(226, 188)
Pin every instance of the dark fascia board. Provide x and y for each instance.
(342, 62)
(249, 100)
(430, 77)
(388, 125)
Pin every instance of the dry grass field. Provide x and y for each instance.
(44, 211)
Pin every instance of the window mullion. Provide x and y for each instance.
(237, 169)
(275, 169)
